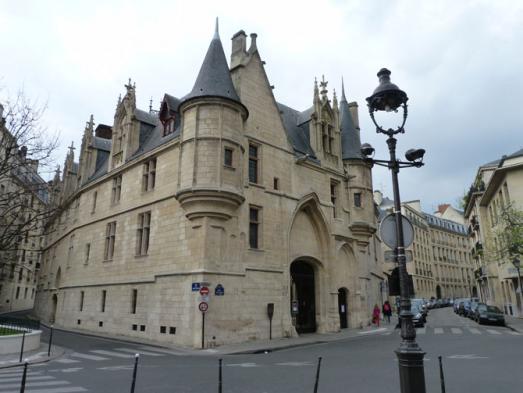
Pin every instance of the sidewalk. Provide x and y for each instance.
(32, 357)
(514, 323)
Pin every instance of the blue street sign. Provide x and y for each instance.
(219, 290)
(195, 286)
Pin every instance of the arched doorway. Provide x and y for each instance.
(303, 299)
(438, 292)
(342, 308)
(474, 292)
(54, 306)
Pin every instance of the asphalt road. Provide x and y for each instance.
(475, 359)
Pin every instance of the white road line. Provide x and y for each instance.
(456, 330)
(161, 350)
(515, 333)
(66, 361)
(17, 374)
(493, 331)
(34, 384)
(140, 351)
(17, 379)
(474, 331)
(438, 330)
(71, 389)
(421, 331)
(111, 353)
(87, 357)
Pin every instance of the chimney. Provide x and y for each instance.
(353, 108)
(23, 151)
(253, 48)
(239, 46)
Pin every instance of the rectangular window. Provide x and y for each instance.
(142, 235)
(93, 206)
(253, 164)
(104, 296)
(25, 293)
(357, 199)
(227, 157)
(334, 197)
(17, 292)
(87, 253)
(82, 294)
(254, 227)
(276, 183)
(149, 175)
(117, 189)
(110, 238)
(134, 299)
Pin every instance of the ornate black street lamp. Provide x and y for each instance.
(389, 98)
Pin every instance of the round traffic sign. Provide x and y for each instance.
(204, 291)
(203, 306)
(388, 231)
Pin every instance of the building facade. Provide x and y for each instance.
(223, 188)
(498, 186)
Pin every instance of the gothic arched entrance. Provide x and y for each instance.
(342, 307)
(303, 299)
(438, 292)
(54, 307)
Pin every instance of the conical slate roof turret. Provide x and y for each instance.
(214, 78)
(350, 136)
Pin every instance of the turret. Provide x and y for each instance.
(85, 152)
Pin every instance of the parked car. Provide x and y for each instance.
(421, 306)
(472, 310)
(456, 304)
(417, 315)
(488, 314)
(463, 307)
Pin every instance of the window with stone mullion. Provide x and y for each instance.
(143, 231)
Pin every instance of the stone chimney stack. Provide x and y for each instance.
(239, 48)
(253, 48)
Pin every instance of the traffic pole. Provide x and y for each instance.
(50, 342)
(220, 376)
(317, 376)
(441, 376)
(203, 330)
(134, 372)
(24, 377)
(22, 348)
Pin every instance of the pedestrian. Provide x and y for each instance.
(387, 311)
(376, 315)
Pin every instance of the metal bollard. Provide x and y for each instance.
(22, 349)
(317, 376)
(441, 376)
(220, 377)
(24, 377)
(134, 371)
(50, 342)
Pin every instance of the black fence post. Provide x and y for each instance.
(317, 376)
(220, 376)
(50, 342)
(22, 348)
(441, 376)
(134, 372)
(24, 377)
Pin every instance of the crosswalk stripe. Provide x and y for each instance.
(493, 331)
(66, 361)
(37, 378)
(421, 331)
(161, 350)
(111, 353)
(34, 384)
(87, 357)
(474, 331)
(140, 351)
(456, 330)
(16, 374)
(438, 330)
(69, 389)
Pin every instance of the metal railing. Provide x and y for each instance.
(18, 324)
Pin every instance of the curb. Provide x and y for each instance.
(56, 352)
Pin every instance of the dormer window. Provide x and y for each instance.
(168, 126)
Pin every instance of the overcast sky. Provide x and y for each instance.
(460, 62)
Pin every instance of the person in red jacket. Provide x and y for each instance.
(376, 315)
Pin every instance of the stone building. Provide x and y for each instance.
(497, 185)
(23, 210)
(441, 265)
(224, 188)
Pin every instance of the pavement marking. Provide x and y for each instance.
(70, 389)
(87, 357)
(242, 365)
(30, 384)
(467, 357)
(111, 353)
(373, 331)
(295, 364)
(17, 374)
(421, 330)
(17, 379)
(140, 351)
(456, 330)
(66, 361)
(515, 333)
(493, 331)
(438, 330)
(161, 350)
(114, 368)
(474, 331)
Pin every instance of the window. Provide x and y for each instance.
(253, 163)
(357, 199)
(334, 197)
(168, 126)
(227, 157)
(134, 298)
(110, 237)
(82, 294)
(254, 227)
(142, 235)
(276, 183)
(87, 253)
(104, 297)
(25, 293)
(117, 189)
(149, 175)
(17, 292)
(93, 206)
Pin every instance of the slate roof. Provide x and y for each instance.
(496, 162)
(146, 117)
(297, 126)
(350, 136)
(101, 143)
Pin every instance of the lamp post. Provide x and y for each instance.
(517, 264)
(389, 98)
